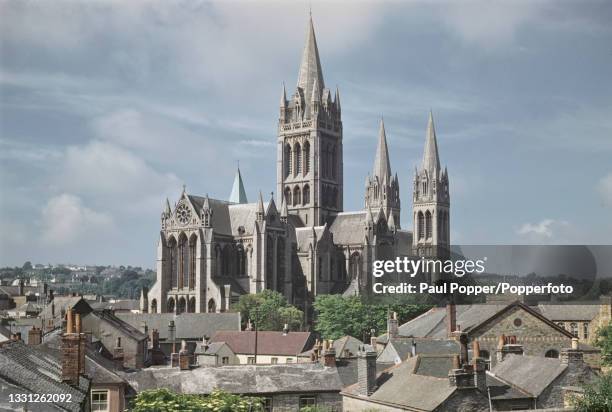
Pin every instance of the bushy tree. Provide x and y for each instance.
(604, 342)
(164, 400)
(337, 315)
(597, 397)
(269, 310)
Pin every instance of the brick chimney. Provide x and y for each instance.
(329, 354)
(71, 350)
(462, 339)
(366, 371)
(451, 318)
(480, 369)
(34, 336)
(573, 355)
(184, 357)
(460, 376)
(393, 326)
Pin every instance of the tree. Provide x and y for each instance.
(597, 396)
(269, 310)
(604, 341)
(338, 316)
(164, 400)
(27, 265)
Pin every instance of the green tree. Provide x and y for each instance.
(27, 265)
(604, 342)
(164, 400)
(597, 396)
(338, 316)
(269, 310)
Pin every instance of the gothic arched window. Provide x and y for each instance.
(298, 158)
(170, 305)
(355, 266)
(574, 329)
(183, 257)
(288, 160)
(333, 162)
(296, 196)
(306, 158)
(428, 225)
(181, 306)
(421, 225)
(212, 306)
(172, 252)
(306, 195)
(191, 307)
(154, 306)
(288, 196)
(193, 241)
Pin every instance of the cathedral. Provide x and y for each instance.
(302, 243)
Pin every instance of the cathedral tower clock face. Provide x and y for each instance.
(183, 214)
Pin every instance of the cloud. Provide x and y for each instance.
(552, 231)
(65, 220)
(604, 187)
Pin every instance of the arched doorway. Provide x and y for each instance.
(212, 306)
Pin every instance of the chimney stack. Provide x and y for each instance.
(451, 318)
(459, 375)
(393, 326)
(480, 369)
(184, 357)
(285, 329)
(504, 348)
(572, 356)
(329, 354)
(366, 371)
(73, 349)
(34, 336)
(462, 339)
(118, 354)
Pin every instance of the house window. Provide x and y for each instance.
(251, 360)
(552, 353)
(99, 401)
(289, 360)
(225, 360)
(585, 330)
(267, 404)
(561, 325)
(574, 329)
(307, 400)
(274, 361)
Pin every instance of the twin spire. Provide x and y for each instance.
(238, 194)
(382, 164)
(431, 159)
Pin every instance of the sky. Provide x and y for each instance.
(109, 107)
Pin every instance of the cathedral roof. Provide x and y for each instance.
(310, 67)
(431, 160)
(348, 228)
(238, 194)
(382, 165)
(220, 219)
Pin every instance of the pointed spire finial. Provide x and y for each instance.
(260, 208)
(310, 67)
(382, 164)
(238, 194)
(431, 160)
(184, 188)
(168, 209)
(283, 100)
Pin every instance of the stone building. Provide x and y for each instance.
(302, 243)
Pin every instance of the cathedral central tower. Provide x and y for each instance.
(309, 146)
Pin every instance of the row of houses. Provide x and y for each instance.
(477, 357)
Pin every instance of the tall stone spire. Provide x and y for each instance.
(261, 213)
(283, 100)
(431, 160)
(238, 194)
(382, 165)
(310, 68)
(167, 210)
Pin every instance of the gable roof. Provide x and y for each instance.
(348, 228)
(268, 342)
(190, 326)
(34, 371)
(531, 374)
(240, 379)
(569, 312)
(117, 323)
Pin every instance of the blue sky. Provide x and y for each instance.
(107, 107)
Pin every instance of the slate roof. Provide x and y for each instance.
(402, 387)
(190, 326)
(569, 312)
(240, 379)
(268, 342)
(500, 390)
(306, 235)
(424, 346)
(347, 369)
(212, 348)
(34, 371)
(348, 228)
(124, 304)
(120, 324)
(346, 343)
(62, 303)
(531, 374)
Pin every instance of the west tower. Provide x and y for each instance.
(431, 201)
(309, 146)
